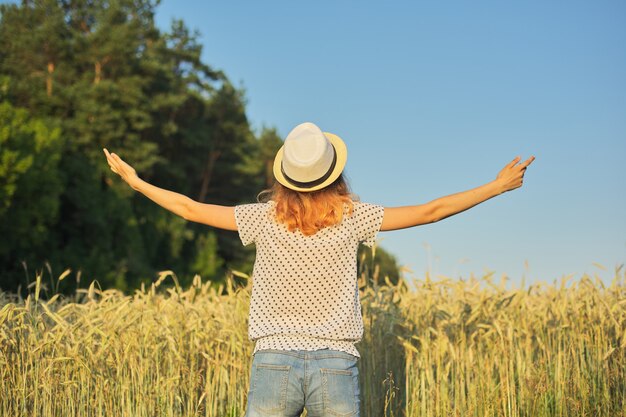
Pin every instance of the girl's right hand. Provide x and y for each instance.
(512, 175)
(122, 168)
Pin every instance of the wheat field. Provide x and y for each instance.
(446, 348)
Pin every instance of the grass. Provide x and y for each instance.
(447, 348)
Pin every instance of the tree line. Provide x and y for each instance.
(77, 76)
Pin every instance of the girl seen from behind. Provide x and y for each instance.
(305, 313)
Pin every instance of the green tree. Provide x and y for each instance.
(111, 79)
(30, 185)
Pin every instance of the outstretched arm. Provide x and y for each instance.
(212, 214)
(509, 178)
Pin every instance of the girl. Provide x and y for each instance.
(305, 314)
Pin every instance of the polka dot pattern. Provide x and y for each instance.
(304, 292)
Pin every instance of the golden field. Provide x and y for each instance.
(447, 348)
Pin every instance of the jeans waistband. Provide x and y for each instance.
(311, 354)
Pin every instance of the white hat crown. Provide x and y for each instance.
(308, 154)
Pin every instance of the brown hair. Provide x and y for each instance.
(310, 211)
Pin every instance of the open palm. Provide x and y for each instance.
(121, 168)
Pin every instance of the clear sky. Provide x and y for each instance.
(434, 98)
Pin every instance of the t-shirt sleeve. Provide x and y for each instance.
(250, 219)
(368, 218)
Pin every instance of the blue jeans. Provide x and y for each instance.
(284, 382)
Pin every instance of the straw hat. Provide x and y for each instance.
(309, 159)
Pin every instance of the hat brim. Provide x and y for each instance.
(342, 157)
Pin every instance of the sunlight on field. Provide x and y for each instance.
(449, 348)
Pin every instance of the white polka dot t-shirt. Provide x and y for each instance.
(304, 293)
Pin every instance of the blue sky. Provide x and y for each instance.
(432, 99)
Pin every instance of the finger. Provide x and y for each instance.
(110, 161)
(113, 164)
(122, 166)
(125, 167)
(529, 160)
(110, 158)
(120, 161)
(115, 157)
(513, 162)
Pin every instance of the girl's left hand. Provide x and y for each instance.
(121, 168)
(512, 175)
